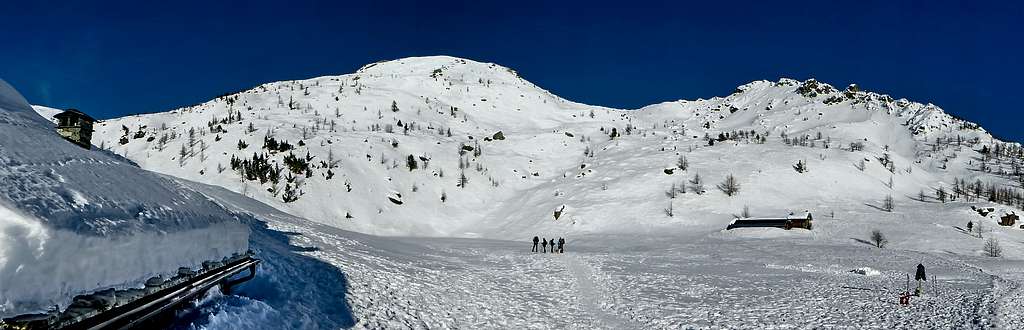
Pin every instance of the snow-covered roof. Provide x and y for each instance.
(89, 192)
(799, 216)
(74, 112)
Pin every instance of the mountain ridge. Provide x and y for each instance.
(427, 108)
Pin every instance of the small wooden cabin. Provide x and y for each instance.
(1009, 219)
(787, 223)
(75, 126)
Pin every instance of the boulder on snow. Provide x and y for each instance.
(499, 136)
(558, 211)
(983, 211)
(395, 197)
(866, 271)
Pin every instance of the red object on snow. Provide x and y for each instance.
(905, 298)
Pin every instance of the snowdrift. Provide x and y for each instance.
(75, 220)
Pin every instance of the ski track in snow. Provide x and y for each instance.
(1008, 295)
(592, 296)
(1011, 298)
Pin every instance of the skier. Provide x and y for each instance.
(970, 225)
(535, 241)
(544, 246)
(920, 277)
(561, 245)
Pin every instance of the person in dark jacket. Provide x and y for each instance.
(920, 276)
(536, 240)
(544, 246)
(561, 245)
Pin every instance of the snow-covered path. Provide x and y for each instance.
(1008, 293)
(1011, 297)
(591, 296)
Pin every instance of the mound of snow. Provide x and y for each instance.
(75, 220)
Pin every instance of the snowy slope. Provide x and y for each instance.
(47, 112)
(516, 185)
(74, 220)
(750, 279)
(366, 155)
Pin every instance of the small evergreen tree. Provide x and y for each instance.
(697, 184)
(463, 180)
(410, 162)
(730, 186)
(682, 163)
(992, 248)
(181, 155)
(290, 194)
(878, 238)
(162, 142)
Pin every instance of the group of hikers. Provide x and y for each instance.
(545, 242)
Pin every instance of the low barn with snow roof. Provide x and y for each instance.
(787, 223)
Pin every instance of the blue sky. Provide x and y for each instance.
(115, 58)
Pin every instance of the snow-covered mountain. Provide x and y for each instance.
(442, 146)
(73, 220)
(555, 165)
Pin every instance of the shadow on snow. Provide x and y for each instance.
(290, 291)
